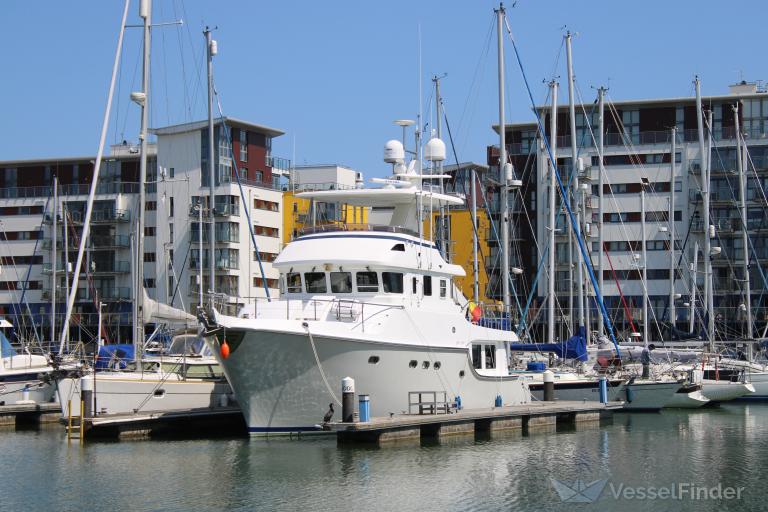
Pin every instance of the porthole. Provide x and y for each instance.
(413, 364)
(453, 330)
(373, 360)
(160, 393)
(461, 374)
(425, 365)
(436, 365)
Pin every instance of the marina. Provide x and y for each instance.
(190, 320)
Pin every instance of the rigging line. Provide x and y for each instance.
(185, 113)
(246, 204)
(320, 366)
(567, 203)
(473, 94)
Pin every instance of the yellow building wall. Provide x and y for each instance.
(296, 215)
(461, 248)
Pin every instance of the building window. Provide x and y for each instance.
(171, 285)
(170, 206)
(149, 257)
(631, 121)
(243, 146)
(149, 282)
(150, 206)
(170, 233)
(171, 172)
(149, 230)
(258, 176)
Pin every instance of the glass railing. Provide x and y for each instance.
(80, 189)
(324, 228)
(282, 164)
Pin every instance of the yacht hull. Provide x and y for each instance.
(724, 391)
(26, 387)
(648, 395)
(690, 400)
(581, 390)
(125, 393)
(282, 389)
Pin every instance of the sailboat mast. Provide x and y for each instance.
(473, 191)
(645, 260)
(694, 270)
(744, 234)
(507, 298)
(55, 225)
(211, 166)
(575, 168)
(552, 212)
(600, 178)
(672, 241)
(94, 183)
(705, 201)
(145, 12)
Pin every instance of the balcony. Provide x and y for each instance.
(80, 189)
(277, 163)
(104, 216)
(108, 267)
(109, 241)
(220, 265)
(226, 210)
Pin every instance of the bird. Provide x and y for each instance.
(329, 414)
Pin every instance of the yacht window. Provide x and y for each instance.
(476, 355)
(427, 285)
(414, 285)
(315, 282)
(341, 282)
(413, 363)
(490, 357)
(367, 282)
(392, 281)
(398, 247)
(443, 288)
(293, 281)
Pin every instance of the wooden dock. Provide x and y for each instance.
(537, 415)
(29, 414)
(190, 422)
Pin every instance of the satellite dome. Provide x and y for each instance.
(394, 152)
(435, 150)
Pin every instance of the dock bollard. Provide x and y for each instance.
(347, 399)
(86, 395)
(365, 408)
(25, 394)
(603, 390)
(549, 386)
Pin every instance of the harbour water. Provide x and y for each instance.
(723, 448)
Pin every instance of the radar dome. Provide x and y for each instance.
(435, 150)
(394, 152)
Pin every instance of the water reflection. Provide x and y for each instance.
(503, 470)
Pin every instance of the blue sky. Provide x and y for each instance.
(334, 75)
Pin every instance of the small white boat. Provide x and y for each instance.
(24, 378)
(647, 395)
(724, 390)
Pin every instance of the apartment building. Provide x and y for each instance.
(637, 135)
(177, 179)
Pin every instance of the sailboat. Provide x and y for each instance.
(143, 384)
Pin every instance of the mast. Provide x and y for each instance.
(438, 109)
(552, 210)
(744, 234)
(643, 184)
(66, 257)
(145, 12)
(705, 201)
(672, 241)
(473, 191)
(507, 298)
(210, 51)
(694, 270)
(710, 236)
(574, 170)
(55, 225)
(94, 183)
(600, 151)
